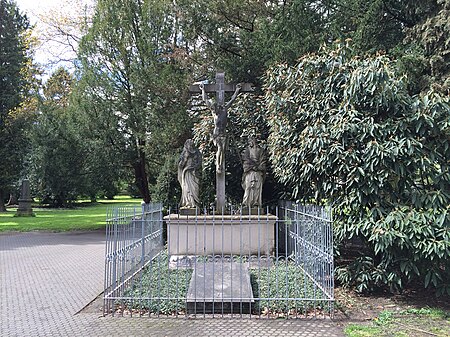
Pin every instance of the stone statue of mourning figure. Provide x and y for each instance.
(189, 174)
(254, 165)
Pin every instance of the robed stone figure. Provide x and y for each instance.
(189, 174)
(254, 165)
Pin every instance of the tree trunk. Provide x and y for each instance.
(140, 174)
(2, 205)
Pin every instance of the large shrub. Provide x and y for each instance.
(345, 130)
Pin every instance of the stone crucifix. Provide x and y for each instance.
(219, 113)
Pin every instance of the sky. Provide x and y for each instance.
(49, 53)
(34, 6)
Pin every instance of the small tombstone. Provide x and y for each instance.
(25, 200)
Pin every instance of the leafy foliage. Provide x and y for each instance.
(17, 86)
(345, 129)
(284, 280)
(244, 37)
(167, 189)
(375, 25)
(431, 34)
(58, 157)
(66, 162)
(131, 89)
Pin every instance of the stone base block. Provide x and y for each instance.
(253, 211)
(24, 208)
(220, 234)
(189, 211)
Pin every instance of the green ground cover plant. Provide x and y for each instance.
(85, 215)
(161, 290)
(157, 280)
(285, 280)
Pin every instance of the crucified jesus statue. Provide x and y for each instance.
(220, 117)
(219, 112)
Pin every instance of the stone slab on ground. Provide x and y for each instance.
(219, 288)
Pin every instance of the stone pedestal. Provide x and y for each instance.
(220, 234)
(253, 211)
(189, 211)
(24, 208)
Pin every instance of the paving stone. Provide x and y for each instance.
(47, 278)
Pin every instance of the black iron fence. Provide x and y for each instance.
(271, 263)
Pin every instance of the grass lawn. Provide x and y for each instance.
(405, 323)
(84, 216)
(415, 313)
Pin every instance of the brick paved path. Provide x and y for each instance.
(47, 278)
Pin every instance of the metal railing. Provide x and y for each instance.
(134, 236)
(266, 263)
(311, 245)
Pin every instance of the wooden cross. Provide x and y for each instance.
(219, 109)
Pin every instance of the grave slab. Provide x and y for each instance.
(217, 287)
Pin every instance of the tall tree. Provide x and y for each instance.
(16, 80)
(373, 25)
(58, 157)
(244, 37)
(131, 87)
(431, 35)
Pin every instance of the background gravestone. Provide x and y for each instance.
(25, 200)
